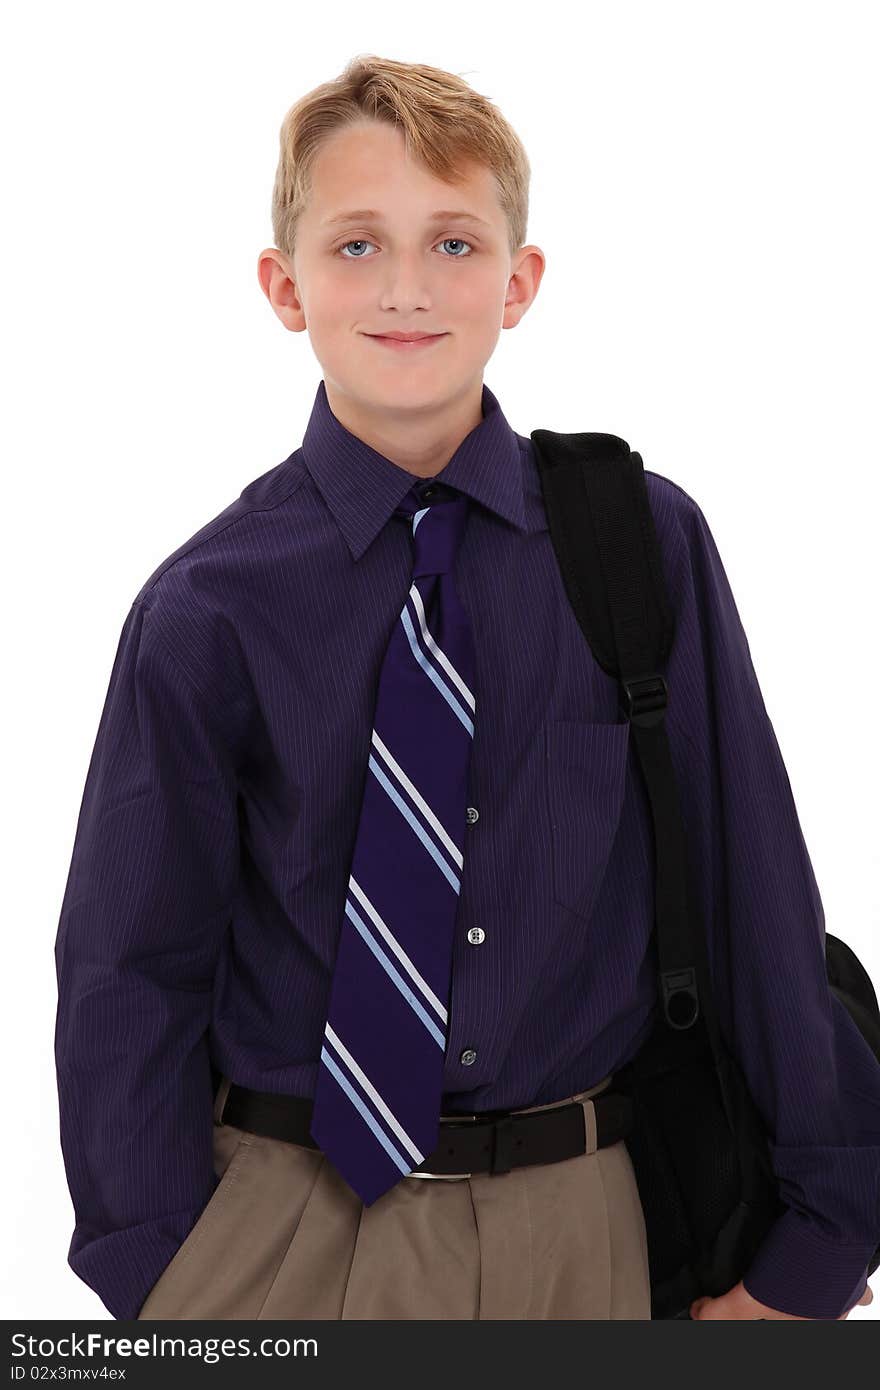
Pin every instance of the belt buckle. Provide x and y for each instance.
(440, 1176)
(454, 1119)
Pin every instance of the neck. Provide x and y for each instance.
(422, 441)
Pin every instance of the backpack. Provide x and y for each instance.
(697, 1142)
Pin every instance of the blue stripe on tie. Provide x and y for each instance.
(431, 671)
(396, 772)
(407, 813)
(395, 974)
(365, 1114)
(435, 649)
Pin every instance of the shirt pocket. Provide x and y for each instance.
(586, 781)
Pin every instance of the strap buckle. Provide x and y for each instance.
(681, 1001)
(646, 698)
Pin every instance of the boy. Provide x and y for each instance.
(362, 843)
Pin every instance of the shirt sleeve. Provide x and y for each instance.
(813, 1077)
(148, 894)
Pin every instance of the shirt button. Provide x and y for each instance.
(476, 935)
(472, 815)
(468, 1057)
(428, 491)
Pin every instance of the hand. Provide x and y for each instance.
(738, 1303)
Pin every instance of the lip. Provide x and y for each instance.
(404, 345)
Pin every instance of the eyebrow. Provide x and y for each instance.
(362, 214)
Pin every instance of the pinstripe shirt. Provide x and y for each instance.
(206, 891)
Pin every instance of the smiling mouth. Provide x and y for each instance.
(406, 345)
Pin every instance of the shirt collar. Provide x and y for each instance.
(362, 487)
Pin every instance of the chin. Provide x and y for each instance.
(405, 379)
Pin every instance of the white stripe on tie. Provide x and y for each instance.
(364, 1113)
(420, 801)
(441, 656)
(373, 1094)
(434, 675)
(396, 947)
(410, 818)
(393, 973)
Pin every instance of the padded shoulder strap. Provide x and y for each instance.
(603, 533)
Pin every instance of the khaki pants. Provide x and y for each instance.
(284, 1236)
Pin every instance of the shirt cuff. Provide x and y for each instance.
(123, 1266)
(799, 1271)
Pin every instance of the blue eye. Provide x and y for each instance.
(353, 243)
(461, 242)
(363, 242)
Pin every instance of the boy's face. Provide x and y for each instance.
(402, 270)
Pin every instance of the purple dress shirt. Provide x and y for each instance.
(206, 891)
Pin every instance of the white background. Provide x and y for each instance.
(704, 189)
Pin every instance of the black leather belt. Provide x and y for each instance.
(493, 1141)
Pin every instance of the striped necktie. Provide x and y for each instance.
(378, 1095)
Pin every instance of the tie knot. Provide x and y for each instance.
(437, 528)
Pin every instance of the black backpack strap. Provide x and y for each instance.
(603, 533)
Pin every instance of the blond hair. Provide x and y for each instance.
(443, 120)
